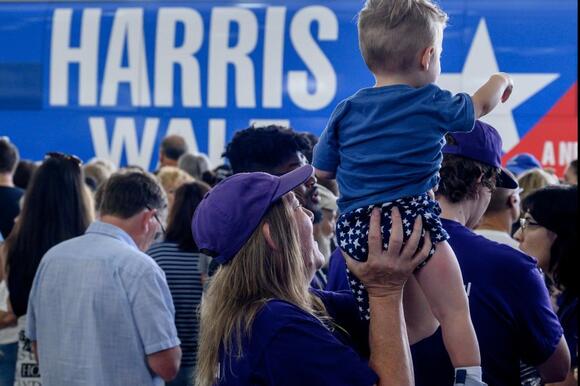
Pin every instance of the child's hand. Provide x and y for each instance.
(508, 90)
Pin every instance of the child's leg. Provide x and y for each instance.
(450, 306)
(419, 319)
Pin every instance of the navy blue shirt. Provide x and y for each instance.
(385, 143)
(336, 279)
(510, 309)
(9, 208)
(568, 314)
(290, 347)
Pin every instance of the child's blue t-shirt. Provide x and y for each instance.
(385, 143)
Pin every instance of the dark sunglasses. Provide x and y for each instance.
(67, 157)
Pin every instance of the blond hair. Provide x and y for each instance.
(239, 290)
(535, 179)
(392, 33)
(172, 177)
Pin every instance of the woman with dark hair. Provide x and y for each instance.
(549, 233)
(185, 269)
(56, 207)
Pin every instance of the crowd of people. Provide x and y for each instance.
(393, 250)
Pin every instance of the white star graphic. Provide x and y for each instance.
(479, 65)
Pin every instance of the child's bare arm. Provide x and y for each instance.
(324, 174)
(497, 88)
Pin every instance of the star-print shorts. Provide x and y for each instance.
(352, 232)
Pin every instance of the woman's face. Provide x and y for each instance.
(313, 258)
(535, 240)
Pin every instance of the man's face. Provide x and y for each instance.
(307, 193)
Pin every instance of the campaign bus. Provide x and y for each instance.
(110, 79)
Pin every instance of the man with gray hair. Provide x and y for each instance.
(100, 311)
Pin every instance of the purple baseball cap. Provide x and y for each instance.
(482, 144)
(232, 210)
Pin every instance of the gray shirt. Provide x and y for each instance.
(97, 307)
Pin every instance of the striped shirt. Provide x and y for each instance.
(183, 271)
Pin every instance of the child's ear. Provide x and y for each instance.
(426, 57)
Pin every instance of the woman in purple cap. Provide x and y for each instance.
(260, 324)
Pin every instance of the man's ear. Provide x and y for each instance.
(268, 236)
(426, 57)
(513, 200)
(145, 220)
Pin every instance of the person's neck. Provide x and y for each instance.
(452, 211)
(6, 180)
(496, 222)
(412, 80)
(127, 225)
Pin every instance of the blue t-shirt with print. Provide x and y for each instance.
(510, 309)
(385, 143)
(290, 347)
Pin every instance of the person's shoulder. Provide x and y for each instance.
(277, 314)
(506, 254)
(492, 250)
(65, 247)
(280, 309)
(11, 193)
(441, 95)
(132, 263)
(162, 248)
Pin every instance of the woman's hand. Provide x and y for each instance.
(386, 271)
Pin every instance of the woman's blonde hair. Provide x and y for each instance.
(239, 289)
(172, 177)
(533, 180)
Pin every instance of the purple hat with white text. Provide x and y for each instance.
(232, 210)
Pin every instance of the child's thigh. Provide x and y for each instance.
(441, 279)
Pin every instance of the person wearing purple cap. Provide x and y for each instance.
(260, 323)
(509, 303)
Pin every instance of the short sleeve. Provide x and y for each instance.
(31, 319)
(456, 112)
(321, 358)
(325, 154)
(153, 311)
(540, 328)
(31, 309)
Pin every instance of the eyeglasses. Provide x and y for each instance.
(67, 157)
(158, 220)
(526, 222)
